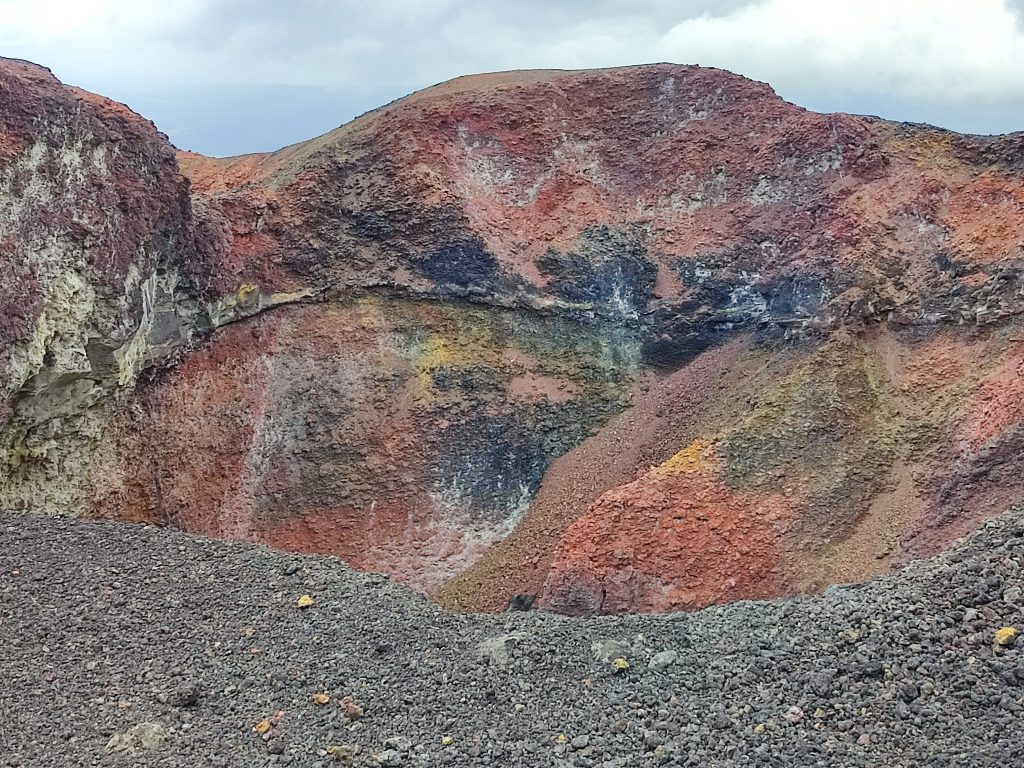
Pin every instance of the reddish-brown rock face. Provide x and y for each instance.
(96, 247)
(634, 339)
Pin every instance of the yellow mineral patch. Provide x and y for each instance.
(928, 150)
(291, 297)
(436, 353)
(1005, 635)
(245, 291)
(693, 458)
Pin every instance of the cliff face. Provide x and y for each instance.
(635, 339)
(96, 246)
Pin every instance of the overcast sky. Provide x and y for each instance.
(232, 76)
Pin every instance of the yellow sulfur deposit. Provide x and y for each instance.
(1005, 636)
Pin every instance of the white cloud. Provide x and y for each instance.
(946, 49)
(912, 49)
(952, 61)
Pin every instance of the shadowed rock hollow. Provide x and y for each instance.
(638, 339)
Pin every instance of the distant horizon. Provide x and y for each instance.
(238, 101)
(227, 77)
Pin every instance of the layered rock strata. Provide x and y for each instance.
(632, 339)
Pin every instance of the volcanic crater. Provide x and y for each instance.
(629, 340)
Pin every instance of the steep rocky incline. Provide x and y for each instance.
(632, 339)
(97, 251)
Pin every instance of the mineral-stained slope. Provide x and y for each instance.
(633, 339)
(97, 244)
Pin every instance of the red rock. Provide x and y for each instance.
(676, 539)
(450, 339)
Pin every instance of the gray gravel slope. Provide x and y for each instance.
(135, 646)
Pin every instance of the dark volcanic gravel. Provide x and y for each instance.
(136, 646)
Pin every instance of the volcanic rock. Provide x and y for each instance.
(637, 339)
(188, 603)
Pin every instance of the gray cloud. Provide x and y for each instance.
(315, 23)
(210, 72)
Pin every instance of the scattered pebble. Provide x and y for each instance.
(663, 660)
(144, 737)
(1005, 636)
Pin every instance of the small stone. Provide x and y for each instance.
(663, 660)
(342, 753)
(864, 739)
(447, 741)
(794, 715)
(821, 683)
(760, 728)
(305, 601)
(1005, 702)
(144, 737)
(580, 742)
(399, 743)
(607, 650)
(186, 695)
(351, 709)
(1005, 636)
(721, 722)
(389, 757)
(321, 698)
(620, 665)
(909, 692)
(497, 651)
